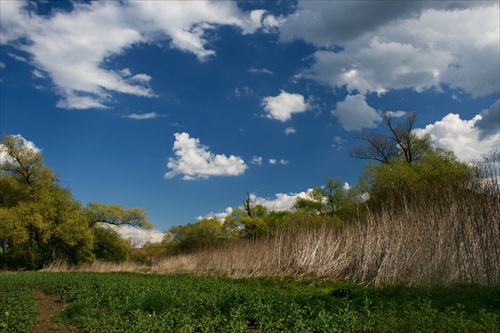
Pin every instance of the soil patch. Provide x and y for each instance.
(48, 306)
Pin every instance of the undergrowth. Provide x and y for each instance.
(125, 302)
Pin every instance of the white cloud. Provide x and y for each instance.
(149, 115)
(260, 70)
(274, 161)
(282, 201)
(384, 46)
(290, 130)
(2, 65)
(194, 161)
(282, 107)
(257, 160)
(463, 137)
(220, 216)
(338, 143)
(139, 237)
(354, 113)
(73, 48)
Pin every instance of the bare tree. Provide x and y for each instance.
(401, 143)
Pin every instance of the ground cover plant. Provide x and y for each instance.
(129, 302)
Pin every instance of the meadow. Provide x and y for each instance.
(132, 302)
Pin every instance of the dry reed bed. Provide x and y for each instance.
(453, 238)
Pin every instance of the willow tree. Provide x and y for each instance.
(41, 222)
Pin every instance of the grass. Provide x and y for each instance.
(128, 302)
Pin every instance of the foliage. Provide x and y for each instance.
(398, 181)
(17, 307)
(205, 232)
(41, 222)
(184, 303)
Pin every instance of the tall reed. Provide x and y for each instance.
(450, 236)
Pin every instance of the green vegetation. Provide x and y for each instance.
(184, 303)
(41, 222)
(417, 217)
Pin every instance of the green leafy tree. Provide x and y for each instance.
(313, 204)
(250, 223)
(104, 220)
(205, 232)
(398, 182)
(40, 221)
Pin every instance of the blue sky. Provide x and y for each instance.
(183, 107)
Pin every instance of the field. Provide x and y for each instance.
(131, 302)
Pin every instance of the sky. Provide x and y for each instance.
(184, 107)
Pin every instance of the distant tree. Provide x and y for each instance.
(205, 232)
(313, 204)
(247, 225)
(329, 200)
(336, 195)
(401, 142)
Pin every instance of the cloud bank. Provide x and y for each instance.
(468, 139)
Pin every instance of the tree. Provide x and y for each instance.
(314, 204)
(41, 222)
(205, 232)
(117, 216)
(401, 143)
(336, 195)
(398, 182)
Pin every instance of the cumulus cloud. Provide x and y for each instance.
(139, 237)
(386, 45)
(354, 113)
(283, 106)
(466, 138)
(220, 216)
(290, 130)
(73, 47)
(282, 201)
(194, 161)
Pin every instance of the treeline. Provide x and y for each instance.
(405, 170)
(417, 216)
(41, 222)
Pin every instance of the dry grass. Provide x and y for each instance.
(453, 238)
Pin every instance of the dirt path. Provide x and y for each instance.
(48, 306)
